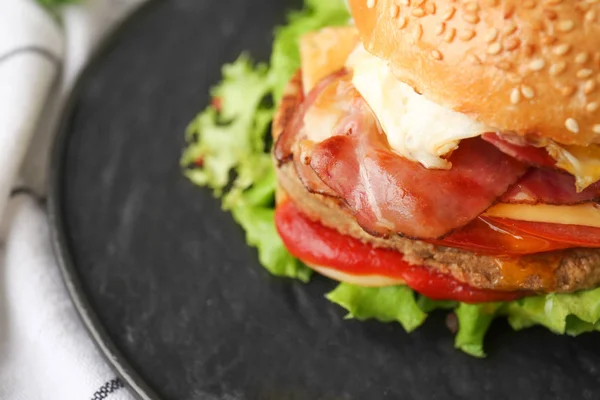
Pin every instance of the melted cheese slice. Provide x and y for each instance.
(587, 214)
(583, 162)
(417, 129)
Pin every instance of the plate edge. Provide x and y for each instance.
(59, 237)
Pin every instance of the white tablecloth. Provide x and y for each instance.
(45, 352)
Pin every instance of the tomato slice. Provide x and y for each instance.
(484, 235)
(571, 235)
(318, 245)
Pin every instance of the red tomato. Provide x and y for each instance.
(571, 235)
(484, 235)
(318, 245)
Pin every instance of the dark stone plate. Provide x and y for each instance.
(169, 289)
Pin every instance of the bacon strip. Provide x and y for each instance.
(527, 154)
(390, 194)
(547, 186)
(292, 133)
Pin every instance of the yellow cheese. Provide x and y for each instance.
(587, 214)
(325, 52)
(581, 161)
(358, 280)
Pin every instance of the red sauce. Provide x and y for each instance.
(318, 245)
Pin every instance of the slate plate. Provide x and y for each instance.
(173, 296)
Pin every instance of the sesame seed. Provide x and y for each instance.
(449, 14)
(491, 35)
(494, 48)
(596, 128)
(510, 28)
(417, 3)
(466, 35)
(405, 2)
(582, 58)
(394, 10)
(590, 15)
(515, 96)
(556, 69)
(474, 59)
(436, 55)
(565, 26)
(572, 125)
(589, 86)
(449, 36)
(471, 18)
(584, 73)
(418, 32)
(537, 65)
(593, 106)
(562, 49)
(567, 90)
(371, 3)
(402, 22)
(439, 29)
(512, 43)
(472, 6)
(527, 92)
(418, 12)
(430, 8)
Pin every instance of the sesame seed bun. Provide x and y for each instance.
(527, 66)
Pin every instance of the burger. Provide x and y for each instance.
(452, 148)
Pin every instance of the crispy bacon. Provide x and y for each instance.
(292, 132)
(548, 186)
(527, 154)
(390, 194)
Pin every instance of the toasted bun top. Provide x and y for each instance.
(527, 66)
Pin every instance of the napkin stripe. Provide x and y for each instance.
(24, 190)
(47, 54)
(107, 389)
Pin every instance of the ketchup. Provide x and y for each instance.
(318, 245)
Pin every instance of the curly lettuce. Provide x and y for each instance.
(229, 138)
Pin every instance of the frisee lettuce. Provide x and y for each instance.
(229, 136)
(230, 139)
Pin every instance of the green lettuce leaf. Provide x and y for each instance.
(228, 138)
(473, 323)
(386, 304)
(571, 313)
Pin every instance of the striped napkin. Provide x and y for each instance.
(45, 351)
